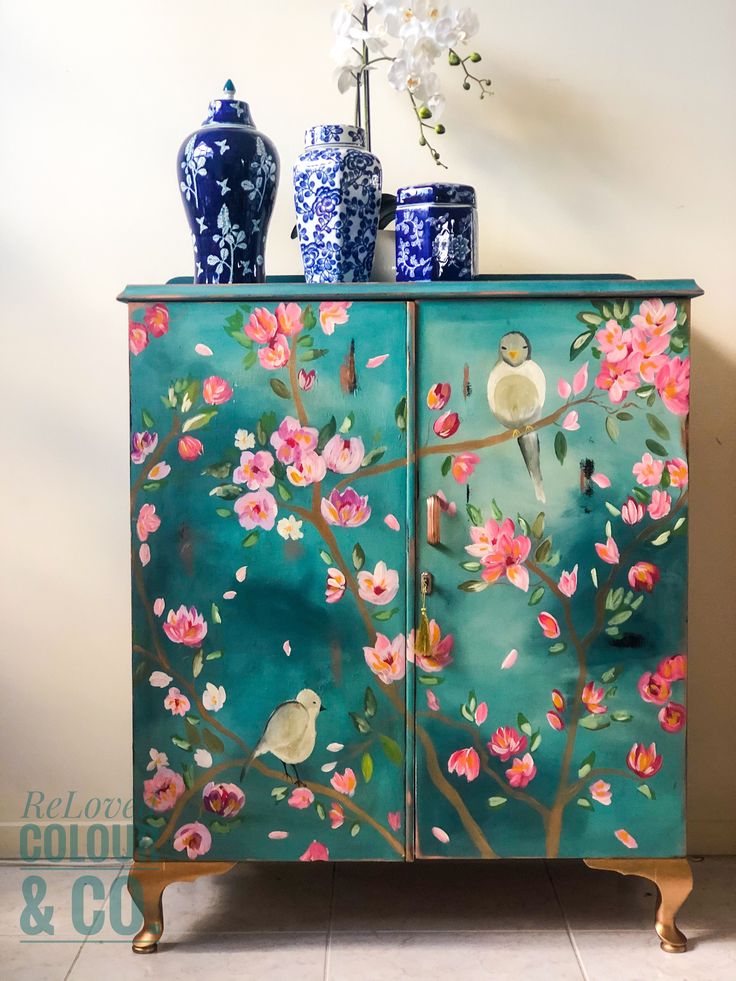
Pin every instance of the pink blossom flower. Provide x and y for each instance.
(392, 521)
(156, 319)
(275, 354)
(439, 653)
(344, 454)
(464, 762)
(506, 741)
(673, 385)
(632, 511)
(463, 466)
(508, 559)
(672, 717)
(216, 391)
(643, 577)
(193, 838)
(555, 721)
(137, 339)
(336, 815)
(438, 396)
(394, 820)
(656, 318)
(289, 319)
(176, 703)
(643, 761)
(659, 506)
(485, 538)
(159, 606)
(147, 522)
(647, 353)
(332, 313)
(558, 700)
(257, 509)
(522, 771)
(159, 679)
(317, 852)
(144, 554)
(677, 470)
(142, 445)
(580, 379)
(185, 626)
(673, 668)
(300, 798)
(600, 480)
(344, 783)
(190, 448)
(564, 389)
(625, 838)
(262, 326)
(306, 379)
(380, 586)
(608, 552)
(387, 659)
(223, 799)
(335, 585)
(613, 341)
(550, 627)
(617, 378)
(376, 361)
(433, 703)
(600, 791)
(159, 471)
(481, 713)
(255, 470)
(570, 422)
(446, 425)
(163, 790)
(310, 470)
(654, 688)
(347, 509)
(568, 582)
(648, 471)
(592, 698)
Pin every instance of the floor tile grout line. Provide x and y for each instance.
(328, 937)
(78, 954)
(568, 929)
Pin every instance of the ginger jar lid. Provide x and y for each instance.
(436, 194)
(228, 109)
(335, 134)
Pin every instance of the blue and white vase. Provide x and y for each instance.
(228, 175)
(337, 195)
(436, 233)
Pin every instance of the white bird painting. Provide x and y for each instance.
(291, 732)
(516, 392)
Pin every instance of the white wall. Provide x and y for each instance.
(609, 146)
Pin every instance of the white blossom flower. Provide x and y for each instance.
(213, 697)
(203, 758)
(290, 528)
(159, 679)
(244, 440)
(157, 759)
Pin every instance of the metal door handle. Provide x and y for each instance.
(434, 510)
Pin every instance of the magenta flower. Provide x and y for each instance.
(522, 771)
(301, 798)
(506, 741)
(156, 319)
(386, 658)
(347, 509)
(292, 440)
(555, 720)
(380, 586)
(336, 814)
(608, 552)
(185, 626)
(142, 445)
(568, 583)
(655, 317)
(257, 509)
(193, 838)
(550, 626)
(438, 396)
(654, 688)
(463, 466)
(190, 448)
(643, 577)
(275, 354)
(464, 762)
(508, 559)
(335, 585)
(317, 852)
(394, 820)
(344, 783)
(216, 391)
(147, 522)
(673, 385)
(673, 668)
(672, 717)
(644, 761)
(433, 703)
(163, 790)
(558, 699)
(344, 454)
(632, 511)
(660, 504)
(677, 470)
(446, 425)
(176, 703)
(261, 326)
(438, 654)
(137, 339)
(332, 313)
(306, 379)
(485, 538)
(310, 470)
(223, 799)
(592, 698)
(255, 470)
(648, 471)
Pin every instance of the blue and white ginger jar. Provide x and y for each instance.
(228, 174)
(337, 195)
(436, 233)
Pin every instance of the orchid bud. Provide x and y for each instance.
(439, 128)
(475, 57)
(422, 141)
(453, 59)
(424, 113)
(466, 85)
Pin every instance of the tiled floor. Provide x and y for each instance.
(434, 921)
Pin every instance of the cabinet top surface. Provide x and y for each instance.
(501, 287)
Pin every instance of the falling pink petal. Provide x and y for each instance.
(144, 554)
(287, 648)
(374, 362)
(510, 660)
(276, 835)
(203, 350)
(580, 380)
(392, 521)
(600, 480)
(481, 714)
(563, 388)
(433, 702)
(394, 820)
(570, 422)
(625, 838)
(445, 505)
(159, 606)
(241, 573)
(328, 767)
(441, 835)
(230, 594)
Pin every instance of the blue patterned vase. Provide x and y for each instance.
(228, 175)
(436, 233)
(337, 195)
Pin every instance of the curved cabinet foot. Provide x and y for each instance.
(146, 884)
(673, 878)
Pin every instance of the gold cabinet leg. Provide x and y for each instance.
(146, 884)
(673, 878)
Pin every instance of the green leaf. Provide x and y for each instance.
(347, 424)
(279, 793)
(612, 428)
(641, 495)
(312, 354)
(326, 433)
(156, 822)
(383, 615)
(536, 742)
(354, 829)
(497, 801)
(152, 485)
(283, 491)
(249, 360)
(370, 705)
(197, 663)
(524, 525)
(524, 724)
(644, 391)
(188, 774)
(558, 647)
(361, 724)
(192, 733)
(430, 680)
(496, 511)
(613, 631)
(219, 470)
(621, 716)
(308, 318)
(661, 539)
(635, 604)
(466, 713)
(473, 585)
(213, 743)
(147, 418)
(538, 525)
(560, 446)
(474, 514)
(543, 550)
(624, 416)
(580, 343)
(446, 465)
(536, 596)
(366, 767)
(325, 556)
(608, 676)
(250, 539)
(657, 426)
(646, 791)
(228, 492)
(320, 809)
(594, 722)
(223, 513)
(654, 447)
(373, 457)
(471, 566)
(618, 618)
(586, 766)
(181, 743)
(612, 509)
(225, 827)
(392, 749)
(279, 388)
(358, 557)
(400, 413)
(305, 340)
(213, 656)
(215, 614)
(591, 319)
(233, 327)
(584, 803)
(199, 421)
(614, 599)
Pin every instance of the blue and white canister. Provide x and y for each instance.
(436, 233)
(337, 195)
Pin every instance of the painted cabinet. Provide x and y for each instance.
(311, 467)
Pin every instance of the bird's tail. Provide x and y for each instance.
(258, 751)
(529, 446)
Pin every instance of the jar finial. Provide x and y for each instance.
(229, 89)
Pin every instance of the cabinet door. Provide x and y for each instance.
(269, 558)
(552, 690)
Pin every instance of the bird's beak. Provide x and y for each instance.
(322, 708)
(513, 354)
